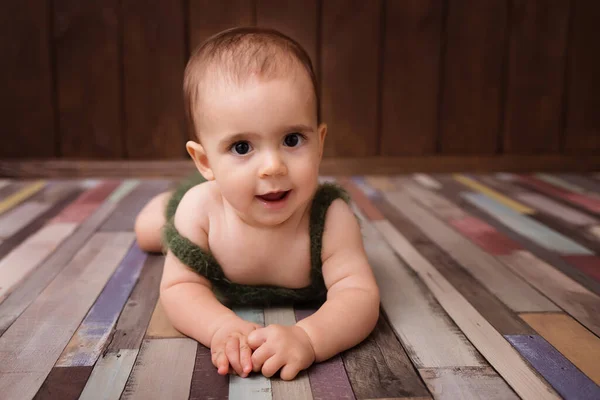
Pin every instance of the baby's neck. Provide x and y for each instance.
(294, 223)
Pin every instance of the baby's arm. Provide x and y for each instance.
(189, 302)
(352, 308)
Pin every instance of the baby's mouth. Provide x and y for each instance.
(275, 196)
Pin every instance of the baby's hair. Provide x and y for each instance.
(237, 53)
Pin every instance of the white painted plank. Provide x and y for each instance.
(427, 181)
(255, 386)
(556, 209)
(24, 258)
(17, 218)
(490, 272)
(499, 353)
(109, 376)
(163, 370)
(33, 343)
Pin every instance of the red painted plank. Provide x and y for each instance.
(590, 265)
(485, 236)
(87, 203)
(589, 203)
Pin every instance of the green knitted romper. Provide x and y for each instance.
(234, 294)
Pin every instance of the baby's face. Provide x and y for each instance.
(263, 139)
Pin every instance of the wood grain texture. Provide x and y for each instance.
(160, 326)
(30, 347)
(452, 191)
(489, 306)
(466, 383)
(555, 209)
(574, 298)
(556, 181)
(163, 369)
(123, 219)
(568, 381)
(206, 382)
(207, 17)
(109, 376)
(361, 199)
(328, 379)
(410, 80)
(479, 331)
(589, 265)
(349, 96)
(91, 336)
(14, 220)
(582, 130)
(527, 226)
(153, 64)
(442, 206)
(136, 314)
(26, 76)
(430, 338)
(298, 20)
(536, 74)
(26, 257)
(493, 194)
(472, 77)
(379, 367)
(299, 387)
(571, 339)
(585, 203)
(64, 383)
(484, 236)
(88, 81)
(255, 386)
(20, 195)
(87, 203)
(499, 280)
(28, 291)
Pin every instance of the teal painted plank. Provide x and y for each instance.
(526, 226)
(256, 386)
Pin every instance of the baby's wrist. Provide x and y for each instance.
(308, 339)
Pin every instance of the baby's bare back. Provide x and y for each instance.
(255, 256)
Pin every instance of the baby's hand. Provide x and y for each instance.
(229, 345)
(279, 346)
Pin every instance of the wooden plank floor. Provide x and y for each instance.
(490, 289)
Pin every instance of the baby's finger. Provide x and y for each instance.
(222, 363)
(245, 356)
(261, 355)
(272, 365)
(232, 350)
(288, 372)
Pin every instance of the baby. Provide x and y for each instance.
(259, 226)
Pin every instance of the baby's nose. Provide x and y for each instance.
(273, 165)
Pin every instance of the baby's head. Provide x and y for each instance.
(252, 103)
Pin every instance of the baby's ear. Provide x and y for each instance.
(198, 154)
(322, 134)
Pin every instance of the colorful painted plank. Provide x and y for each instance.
(328, 379)
(587, 203)
(492, 194)
(466, 383)
(379, 367)
(160, 326)
(17, 218)
(430, 338)
(479, 331)
(31, 346)
(136, 314)
(555, 209)
(586, 182)
(22, 194)
(574, 298)
(26, 257)
(484, 235)
(123, 219)
(442, 207)
(162, 370)
(4, 182)
(492, 274)
(571, 339)
(299, 387)
(427, 181)
(109, 376)
(27, 292)
(590, 265)
(87, 203)
(564, 377)
(64, 383)
(90, 338)
(359, 197)
(255, 386)
(558, 182)
(526, 226)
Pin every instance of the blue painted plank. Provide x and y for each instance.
(526, 226)
(564, 377)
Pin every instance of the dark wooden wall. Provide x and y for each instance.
(101, 79)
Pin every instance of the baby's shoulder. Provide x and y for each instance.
(195, 207)
(341, 227)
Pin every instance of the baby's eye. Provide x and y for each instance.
(240, 148)
(293, 139)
